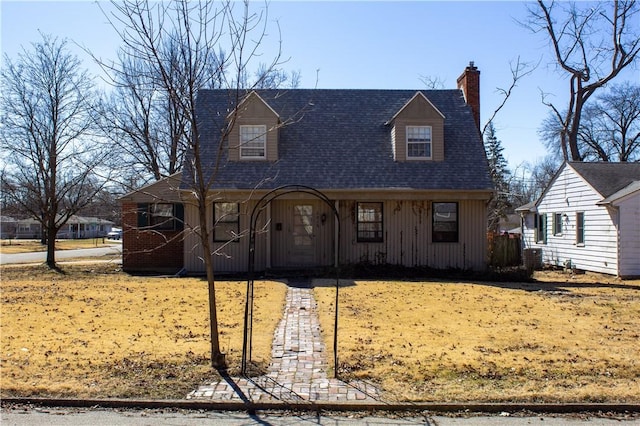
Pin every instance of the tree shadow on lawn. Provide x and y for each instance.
(512, 278)
(555, 286)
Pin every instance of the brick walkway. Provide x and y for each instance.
(297, 372)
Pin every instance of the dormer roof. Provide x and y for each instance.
(253, 95)
(415, 98)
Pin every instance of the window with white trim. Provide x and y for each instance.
(253, 142)
(419, 142)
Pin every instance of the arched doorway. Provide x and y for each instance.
(302, 232)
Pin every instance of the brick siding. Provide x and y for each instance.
(144, 250)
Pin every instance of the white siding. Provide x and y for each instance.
(528, 231)
(629, 209)
(569, 194)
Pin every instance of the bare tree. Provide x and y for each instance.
(610, 129)
(47, 102)
(592, 44)
(181, 41)
(528, 180)
(136, 118)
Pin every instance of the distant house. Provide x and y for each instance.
(77, 227)
(404, 169)
(8, 227)
(29, 229)
(588, 218)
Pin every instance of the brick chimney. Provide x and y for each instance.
(469, 82)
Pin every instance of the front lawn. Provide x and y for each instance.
(559, 339)
(97, 332)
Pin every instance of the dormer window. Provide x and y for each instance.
(253, 142)
(417, 131)
(418, 142)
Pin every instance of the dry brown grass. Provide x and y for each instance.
(560, 339)
(28, 246)
(97, 332)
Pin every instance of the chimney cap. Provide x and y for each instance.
(472, 66)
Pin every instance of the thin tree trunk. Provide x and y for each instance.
(217, 357)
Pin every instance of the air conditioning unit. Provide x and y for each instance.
(532, 258)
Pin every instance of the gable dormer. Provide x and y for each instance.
(417, 131)
(254, 134)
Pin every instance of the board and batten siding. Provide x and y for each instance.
(407, 237)
(228, 257)
(629, 252)
(569, 194)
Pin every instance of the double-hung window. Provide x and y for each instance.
(557, 224)
(418, 142)
(253, 142)
(369, 222)
(445, 223)
(226, 221)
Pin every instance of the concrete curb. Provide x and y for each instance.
(475, 407)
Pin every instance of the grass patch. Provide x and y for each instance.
(94, 331)
(29, 246)
(558, 338)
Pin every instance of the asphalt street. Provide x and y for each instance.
(41, 256)
(18, 416)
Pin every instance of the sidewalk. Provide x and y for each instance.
(298, 369)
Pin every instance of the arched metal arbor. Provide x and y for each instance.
(248, 312)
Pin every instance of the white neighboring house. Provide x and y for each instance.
(588, 218)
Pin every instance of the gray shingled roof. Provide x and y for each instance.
(338, 139)
(606, 177)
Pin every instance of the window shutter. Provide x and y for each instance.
(143, 215)
(179, 216)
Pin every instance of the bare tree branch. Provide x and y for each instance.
(519, 70)
(592, 43)
(49, 118)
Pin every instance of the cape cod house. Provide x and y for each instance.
(404, 170)
(588, 218)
